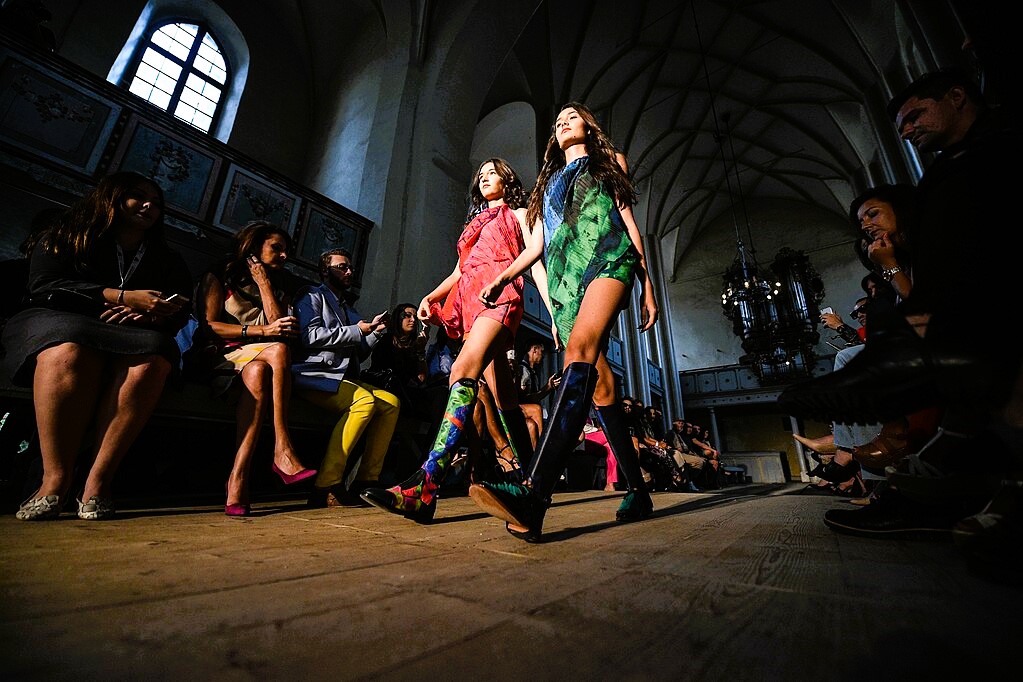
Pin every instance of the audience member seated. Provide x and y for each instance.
(531, 391)
(696, 466)
(243, 306)
(962, 364)
(657, 459)
(866, 448)
(96, 342)
(334, 340)
(398, 362)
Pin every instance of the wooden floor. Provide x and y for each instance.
(742, 584)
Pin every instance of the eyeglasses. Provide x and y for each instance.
(341, 267)
(857, 310)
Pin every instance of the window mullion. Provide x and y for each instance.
(186, 70)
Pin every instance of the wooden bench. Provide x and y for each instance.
(186, 449)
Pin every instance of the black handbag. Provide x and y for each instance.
(381, 378)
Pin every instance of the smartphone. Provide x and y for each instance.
(177, 298)
(827, 311)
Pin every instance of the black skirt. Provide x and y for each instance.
(36, 329)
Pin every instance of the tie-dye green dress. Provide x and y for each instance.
(584, 238)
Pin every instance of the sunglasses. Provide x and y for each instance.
(341, 267)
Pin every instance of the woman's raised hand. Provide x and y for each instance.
(256, 269)
(423, 313)
(881, 251)
(490, 293)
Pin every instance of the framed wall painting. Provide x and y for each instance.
(246, 197)
(186, 172)
(52, 117)
(322, 230)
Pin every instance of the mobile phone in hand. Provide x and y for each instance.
(827, 311)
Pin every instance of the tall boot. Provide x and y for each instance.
(637, 504)
(514, 424)
(415, 498)
(523, 506)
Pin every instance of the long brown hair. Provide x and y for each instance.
(514, 194)
(91, 217)
(249, 242)
(603, 165)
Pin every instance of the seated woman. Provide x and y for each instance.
(398, 361)
(245, 308)
(96, 342)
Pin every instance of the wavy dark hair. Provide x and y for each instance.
(902, 198)
(249, 242)
(91, 218)
(603, 165)
(394, 322)
(514, 194)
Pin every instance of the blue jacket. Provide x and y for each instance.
(331, 344)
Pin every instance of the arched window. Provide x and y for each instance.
(181, 68)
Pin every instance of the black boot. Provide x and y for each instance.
(523, 506)
(637, 504)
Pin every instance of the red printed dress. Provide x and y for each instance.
(488, 245)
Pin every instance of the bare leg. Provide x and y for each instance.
(480, 348)
(65, 389)
(534, 420)
(124, 409)
(597, 313)
(256, 386)
(278, 356)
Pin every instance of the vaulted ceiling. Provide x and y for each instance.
(723, 104)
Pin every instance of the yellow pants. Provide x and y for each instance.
(362, 408)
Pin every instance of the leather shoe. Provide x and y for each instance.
(893, 516)
(824, 445)
(891, 445)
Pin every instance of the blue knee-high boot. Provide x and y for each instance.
(523, 506)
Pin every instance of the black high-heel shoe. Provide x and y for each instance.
(857, 489)
(837, 473)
